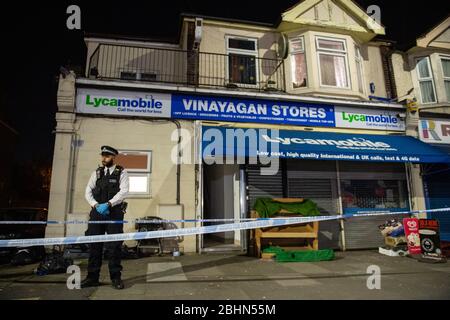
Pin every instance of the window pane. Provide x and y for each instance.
(138, 184)
(330, 44)
(422, 67)
(446, 67)
(427, 92)
(299, 73)
(242, 69)
(241, 44)
(447, 89)
(297, 45)
(333, 70)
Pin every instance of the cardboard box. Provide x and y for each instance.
(393, 242)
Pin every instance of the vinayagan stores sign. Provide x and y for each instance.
(233, 109)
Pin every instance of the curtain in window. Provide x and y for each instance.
(447, 89)
(242, 69)
(426, 89)
(299, 74)
(446, 67)
(422, 64)
(333, 70)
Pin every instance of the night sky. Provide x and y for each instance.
(36, 42)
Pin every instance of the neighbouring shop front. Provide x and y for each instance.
(436, 177)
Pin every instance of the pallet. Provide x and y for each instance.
(305, 231)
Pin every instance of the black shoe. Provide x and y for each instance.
(89, 282)
(117, 284)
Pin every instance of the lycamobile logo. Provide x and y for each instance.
(123, 102)
(369, 118)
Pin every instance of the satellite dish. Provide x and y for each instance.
(283, 46)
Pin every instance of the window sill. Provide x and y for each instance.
(329, 93)
(139, 196)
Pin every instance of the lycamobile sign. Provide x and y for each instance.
(368, 119)
(127, 103)
(122, 102)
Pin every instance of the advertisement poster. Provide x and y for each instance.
(411, 226)
(429, 237)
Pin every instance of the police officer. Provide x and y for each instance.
(105, 193)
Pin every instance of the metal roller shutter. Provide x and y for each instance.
(437, 188)
(262, 186)
(322, 192)
(363, 232)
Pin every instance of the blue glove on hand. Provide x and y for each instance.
(103, 209)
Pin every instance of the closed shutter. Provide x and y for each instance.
(363, 232)
(323, 193)
(437, 187)
(258, 186)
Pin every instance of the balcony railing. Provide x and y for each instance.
(191, 68)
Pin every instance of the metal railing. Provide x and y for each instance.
(183, 67)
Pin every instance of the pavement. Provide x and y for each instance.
(234, 276)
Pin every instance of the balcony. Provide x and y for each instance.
(189, 68)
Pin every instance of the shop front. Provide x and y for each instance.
(436, 177)
(348, 158)
(341, 173)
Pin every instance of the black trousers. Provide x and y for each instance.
(114, 248)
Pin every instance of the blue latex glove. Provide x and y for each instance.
(103, 209)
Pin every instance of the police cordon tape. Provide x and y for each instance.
(259, 223)
(159, 221)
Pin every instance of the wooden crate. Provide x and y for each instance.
(304, 231)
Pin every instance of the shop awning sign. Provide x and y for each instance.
(252, 142)
(232, 109)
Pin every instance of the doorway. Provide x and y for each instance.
(221, 200)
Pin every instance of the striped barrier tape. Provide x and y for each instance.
(254, 224)
(163, 233)
(158, 221)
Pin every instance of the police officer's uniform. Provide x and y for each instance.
(106, 185)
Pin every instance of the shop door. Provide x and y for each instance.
(371, 187)
(437, 193)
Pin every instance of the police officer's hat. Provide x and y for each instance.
(109, 150)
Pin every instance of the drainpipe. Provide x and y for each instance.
(177, 124)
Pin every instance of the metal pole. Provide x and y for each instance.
(340, 207)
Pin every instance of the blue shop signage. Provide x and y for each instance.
(233, 109)
(251, 110)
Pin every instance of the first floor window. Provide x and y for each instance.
(446, 70)
(242, 60)
(425, 77)
(242, 69)
(332, 56)
(298, 63)
(138, 165)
